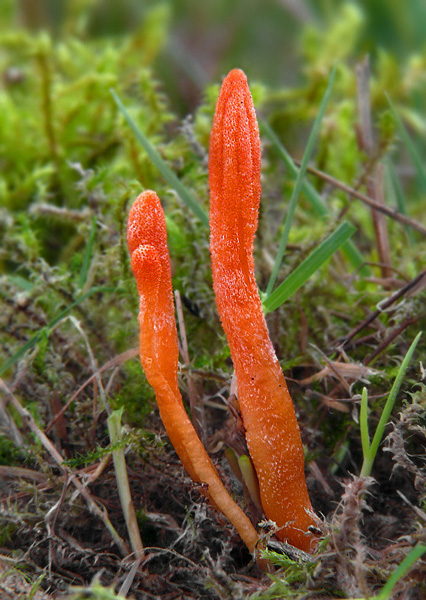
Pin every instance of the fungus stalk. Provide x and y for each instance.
(147, 241)
(272, 433)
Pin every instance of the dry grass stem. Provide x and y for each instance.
(50, 448)
(386, 210)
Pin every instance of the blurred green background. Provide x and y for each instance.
(204, 40)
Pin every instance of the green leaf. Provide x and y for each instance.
(314, 198)
(309, 266)
(384, 418)
(87, 255)
(396, 190)
(417, 159)
(164, 169)
(298, 185)
(400, 571)
(363, 424)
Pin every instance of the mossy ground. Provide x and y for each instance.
(69, 168)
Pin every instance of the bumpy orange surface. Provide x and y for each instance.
(147, 241)
(272, 432)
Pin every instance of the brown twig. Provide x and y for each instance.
(197, 411)
(383, 306)
(375, 180)
(9, 472)
(387, 210)
(389, 339)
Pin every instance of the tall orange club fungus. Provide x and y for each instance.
(272, 433)
(147, 242)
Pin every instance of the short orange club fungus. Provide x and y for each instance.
(272, 432)
(147, 241)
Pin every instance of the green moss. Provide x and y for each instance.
(136, 395)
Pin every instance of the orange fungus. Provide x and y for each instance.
(272, 433)
(147, 241)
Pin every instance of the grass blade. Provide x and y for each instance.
(309, 266)
(391, 401)
(314, 198)
(418, 161)
(87, 255)
(400, 571)
(36, 586)
(363, 424)
(397, 191)
(116, 437)
(164, 169)
(298, 185)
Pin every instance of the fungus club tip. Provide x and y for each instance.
(236, 75)
(146, 268)
(146, 223)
